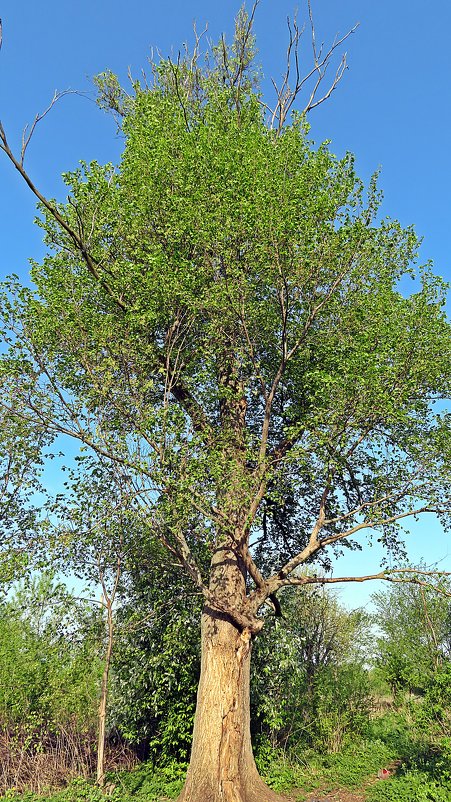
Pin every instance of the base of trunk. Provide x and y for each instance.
(222, 766)
(246, 790)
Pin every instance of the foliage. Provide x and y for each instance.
(49, 664)
(22, 454)
(415, 635)
(412, 787)
(49, 682)
(424, 777)
(157, 659)
(309, 684)
(434, 714)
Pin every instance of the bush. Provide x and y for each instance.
(411, 787)
(435, 710)
(309, 684)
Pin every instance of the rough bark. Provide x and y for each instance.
(222, 766)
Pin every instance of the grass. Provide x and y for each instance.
(423, 773)
(311, 771)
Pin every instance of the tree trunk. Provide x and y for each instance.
(222, 766)
(104, 698)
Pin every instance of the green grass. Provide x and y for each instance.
(425, 776)
(413, 786)
(309, 771)
(424, 773)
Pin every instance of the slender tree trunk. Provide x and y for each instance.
(222, 766)
(104, 699)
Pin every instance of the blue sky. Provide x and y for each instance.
(392, 110)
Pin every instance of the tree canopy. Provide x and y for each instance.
(221, 318)
(224, 310)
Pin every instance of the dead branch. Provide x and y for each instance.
(27, 134)
(294, 82)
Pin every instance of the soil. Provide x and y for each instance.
(331, 796)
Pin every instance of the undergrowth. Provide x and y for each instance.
(143, 784)
(309, 771)
(421, 772)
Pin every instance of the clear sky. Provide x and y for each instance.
(392, 110)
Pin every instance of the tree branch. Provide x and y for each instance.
(412, 576)
(316, 545)
(285, 96)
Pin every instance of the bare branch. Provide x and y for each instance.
(314, 545)
(408, 576)
(285, 95)
(26, 137)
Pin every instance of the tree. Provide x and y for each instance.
(308, 680)
(415, 635)
(90, 539)
(49, 678)
(220, 317)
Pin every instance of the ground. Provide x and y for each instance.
(342, 795)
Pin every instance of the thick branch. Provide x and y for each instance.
(316, 544)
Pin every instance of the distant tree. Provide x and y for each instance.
(414, 640)
(221, 319)
(309, 684)
(88, 540)
(49, 662)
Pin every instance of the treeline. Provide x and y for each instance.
(324, 678)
